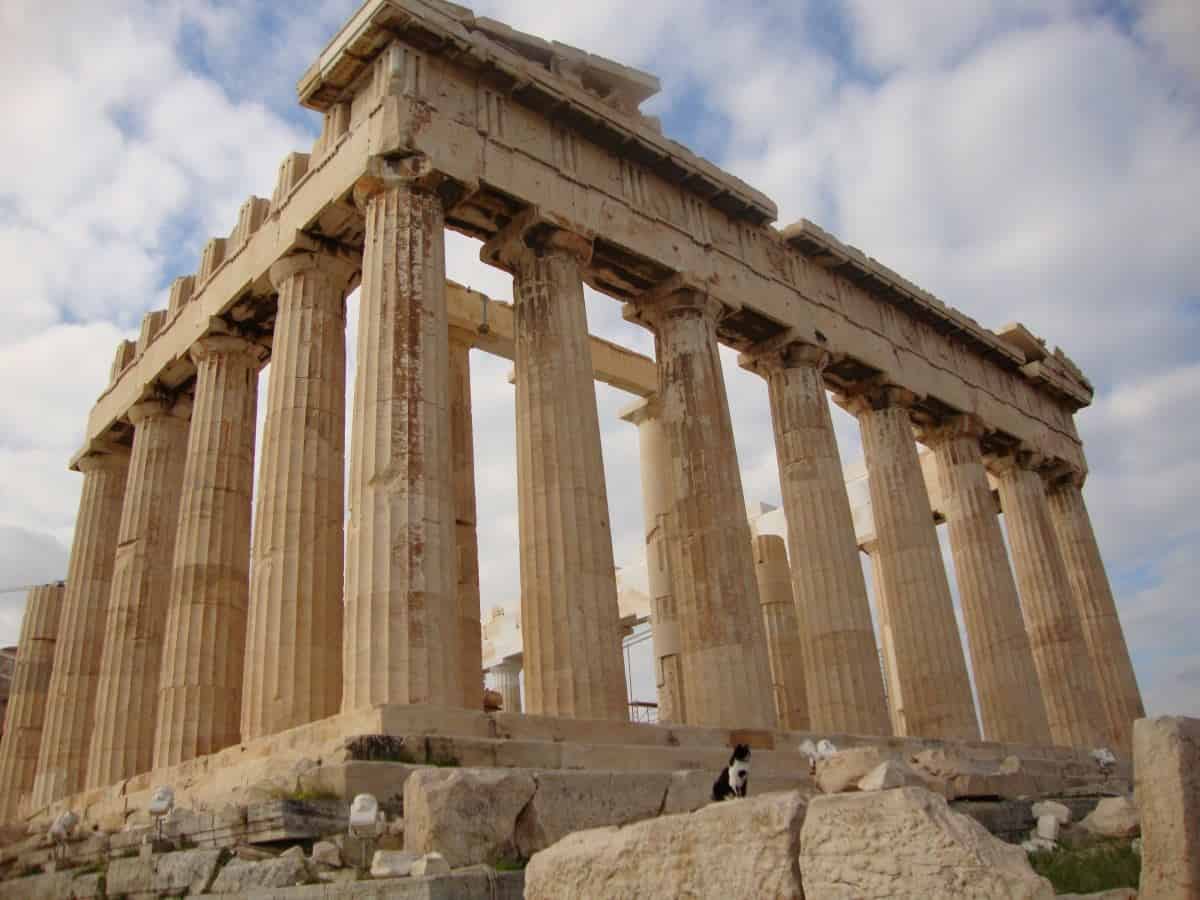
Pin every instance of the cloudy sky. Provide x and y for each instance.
(1032, 161)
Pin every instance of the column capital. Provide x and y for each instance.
(960, 426)
(786, 351)
(874, 395)
(178, 407)
(115, 456)
(1002, 463)
(227, 345)
(644, 409)
(463, 336)
(339, 269)
(678, 295)
(534, 234)
(414, 173)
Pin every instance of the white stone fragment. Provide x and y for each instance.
(430, 864)
(1047, 827)
(327, 854)
(1052, 808)
(393, 863)
(889, 774)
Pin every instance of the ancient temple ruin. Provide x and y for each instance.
(183, 632)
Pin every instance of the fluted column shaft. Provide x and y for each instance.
(656, 504)
(934, 692)
(293, 657)
(1097, 611)
(784, 647)
(507, 680)
(130, 667)
(570, 624)
(27, 697)
(887, 645)
(841, 664)
(71, 701)
(1059, 650)
(402, 615)
(200, 691)
(726, 673)
(1006, 682)
(462, 439)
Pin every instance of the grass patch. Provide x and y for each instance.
(306, 795)
(1089, 870)
(380, 748)
(510, 865)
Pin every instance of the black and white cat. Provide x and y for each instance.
(735, 777)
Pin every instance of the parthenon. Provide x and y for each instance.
(202, 611)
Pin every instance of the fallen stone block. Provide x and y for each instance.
(1060, 811)
(325, 853)
(87, 887)
(1166, 753)
(1114, 817)
(843, 770)
(467, 815)
(392, 863)
(742, 848)
(130, 877)
(39, 887)
(892, 773)
(188, 872)
(239, 877)
(430, 864)
(966, 778)
(1115, 894)
(564, 802)
(908, 844)
(691, 789)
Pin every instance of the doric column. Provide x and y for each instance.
(506, 677)
(293, 659)
(570, 623)
(887, 645)
(1097, 611)
(1006, 682)
(1059, 650)
(784, 648)
(401, 640)
(656, 504)
(934, 692)
(130, 667)
(71, 702)
(27, 696)
(726, 674)
(841, 664)
(462, 439)
(200, 691)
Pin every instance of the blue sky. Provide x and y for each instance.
(1031, 161)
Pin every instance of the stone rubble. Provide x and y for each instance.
(1114, 817)
(907, 844)
(697, 855)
